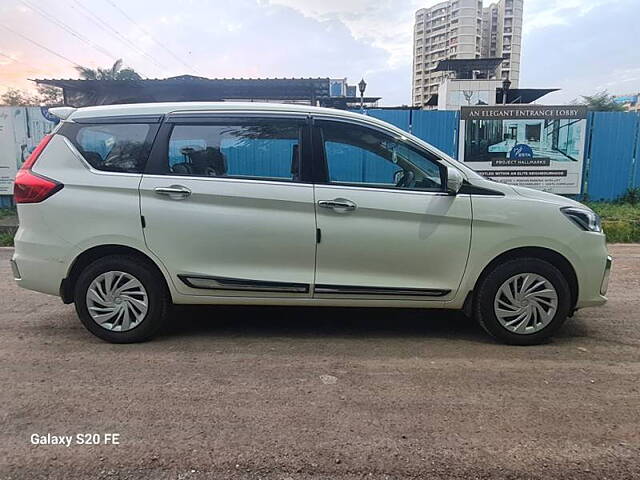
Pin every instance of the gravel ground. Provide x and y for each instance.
(291, 393)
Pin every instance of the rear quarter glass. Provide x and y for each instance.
(112, 147)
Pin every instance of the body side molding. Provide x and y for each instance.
(359, 290)
(239, 284)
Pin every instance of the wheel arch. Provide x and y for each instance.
(554, 258)
(67, 286)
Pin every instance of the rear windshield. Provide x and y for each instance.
(112, 147)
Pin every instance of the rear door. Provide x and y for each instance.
(226, 206)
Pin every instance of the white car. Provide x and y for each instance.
(127, 209)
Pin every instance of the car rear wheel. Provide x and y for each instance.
(523, 301)
(121, 299)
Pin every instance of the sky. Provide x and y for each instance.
(579, 46)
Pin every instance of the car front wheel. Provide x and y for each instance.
(523, 301)
(121, 299)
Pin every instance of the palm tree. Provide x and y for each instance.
(116, 72)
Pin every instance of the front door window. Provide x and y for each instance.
(362, 156)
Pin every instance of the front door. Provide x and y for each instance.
(388, 228)
(225, 207)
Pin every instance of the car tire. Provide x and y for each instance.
(128, 301)
(523, 301)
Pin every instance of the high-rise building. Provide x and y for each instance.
(502, 36)
(464, 29)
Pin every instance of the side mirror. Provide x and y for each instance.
(454, 180)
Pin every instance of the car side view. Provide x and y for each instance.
(127, 209)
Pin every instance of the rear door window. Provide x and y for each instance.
(267, 149)
(113, 147)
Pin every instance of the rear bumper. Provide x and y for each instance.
(38, 266)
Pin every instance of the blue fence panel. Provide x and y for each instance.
(348, 163)
(437, 127)
(636, 160)
(261, 158)
(399, 118)
(6, 201)
(610, 153)
(255, 158)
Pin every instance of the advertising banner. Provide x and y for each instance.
(536, 146)
(21, 129)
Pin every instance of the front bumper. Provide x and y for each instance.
(15, 270)
(607, 273)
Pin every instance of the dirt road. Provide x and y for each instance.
(277, 393)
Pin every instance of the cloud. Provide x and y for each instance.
(387, 25)
(543, 13)
(591, 47)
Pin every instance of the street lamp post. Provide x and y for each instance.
(362, 86)
(506, 83)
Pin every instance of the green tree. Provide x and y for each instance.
(50, 96)
(116, 72)
(17, 98)
(601, 102)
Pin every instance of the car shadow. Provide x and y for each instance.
(263, 321)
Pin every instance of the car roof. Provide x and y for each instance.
(164, 108)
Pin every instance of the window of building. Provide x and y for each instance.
(262, 150)
(358, 155)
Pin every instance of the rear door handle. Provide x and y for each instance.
(338, 205)
(176, 192)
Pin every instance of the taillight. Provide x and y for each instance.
(30, 187)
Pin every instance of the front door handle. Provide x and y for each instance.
(176, 192)
(338, 205)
